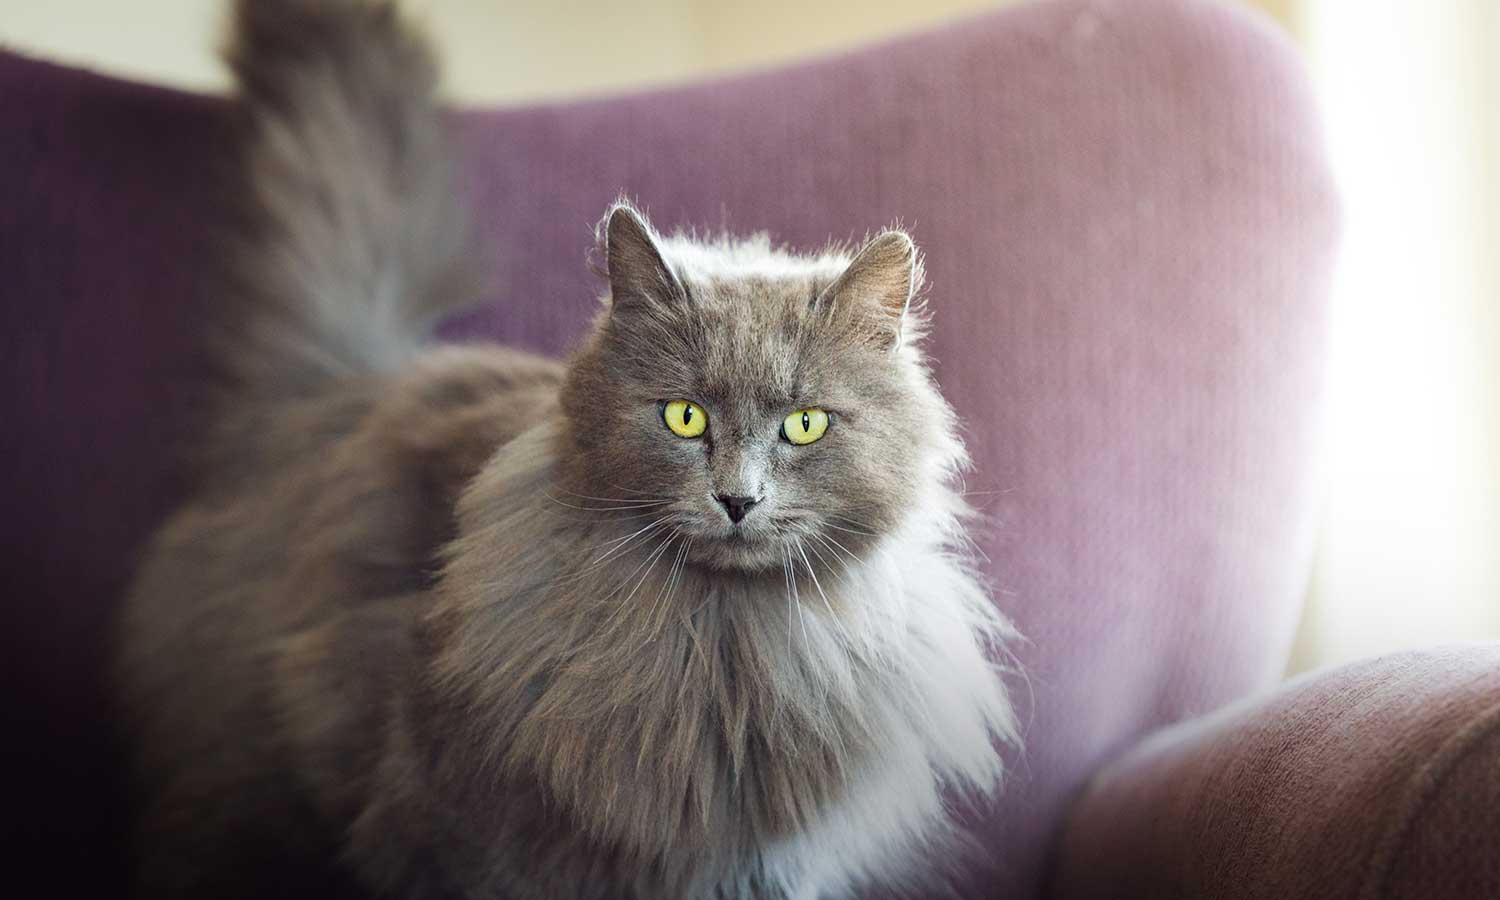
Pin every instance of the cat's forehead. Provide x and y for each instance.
(762, 346)
(749, 322)
(751, 338)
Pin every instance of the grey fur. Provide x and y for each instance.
(463, 622)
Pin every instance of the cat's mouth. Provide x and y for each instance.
(753, 545)
(741, 554)
(768, 539)
(750, 545)
(748, 538)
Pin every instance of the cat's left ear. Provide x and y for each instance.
(639, 275)
(878, 286)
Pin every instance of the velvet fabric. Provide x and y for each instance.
(1376, 781)
(1128, 222)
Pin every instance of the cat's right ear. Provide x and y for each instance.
(876, 289)
(639, 275)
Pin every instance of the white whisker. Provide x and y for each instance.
(641, 495)
(786, 572)
(647, 566)
(624, 541)
(834, 541)
(664, 596)
(837, 564)
(595, 518)
(644, 498)
(850, 530)
(808, 563)
(624, 544)
(619, 505)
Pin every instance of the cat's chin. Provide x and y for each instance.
(740, 551)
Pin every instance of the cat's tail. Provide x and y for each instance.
(354, 243)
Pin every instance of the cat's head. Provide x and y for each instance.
(756, 407)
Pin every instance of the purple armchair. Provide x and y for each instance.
(1129, 225)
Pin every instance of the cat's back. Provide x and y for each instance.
(306, 553)
(332, 502)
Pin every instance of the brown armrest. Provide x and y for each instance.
(1378, 781)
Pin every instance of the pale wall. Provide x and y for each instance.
(1410, 554)
(500, 50)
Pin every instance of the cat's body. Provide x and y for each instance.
(463, 622)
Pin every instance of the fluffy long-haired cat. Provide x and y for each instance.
(689, 615)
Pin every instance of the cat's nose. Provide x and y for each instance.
(737, 507)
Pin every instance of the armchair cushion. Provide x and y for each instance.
(1376, 781)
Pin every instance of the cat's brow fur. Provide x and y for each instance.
(465, 622)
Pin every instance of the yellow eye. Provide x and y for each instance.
(685, 418)
(804, 426)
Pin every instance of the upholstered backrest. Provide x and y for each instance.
(1128, 225)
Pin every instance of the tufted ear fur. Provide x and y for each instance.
(638, 272)
(878, 286)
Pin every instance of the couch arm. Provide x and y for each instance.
(1377, 780)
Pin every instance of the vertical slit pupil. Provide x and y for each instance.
(687, 414)
(806, 422)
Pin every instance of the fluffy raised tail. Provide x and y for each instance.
(354, 243)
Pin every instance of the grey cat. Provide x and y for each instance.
(690, 615)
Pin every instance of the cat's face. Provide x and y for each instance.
(747, 409)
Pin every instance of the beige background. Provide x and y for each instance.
(1410, 553)
(497, 50)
